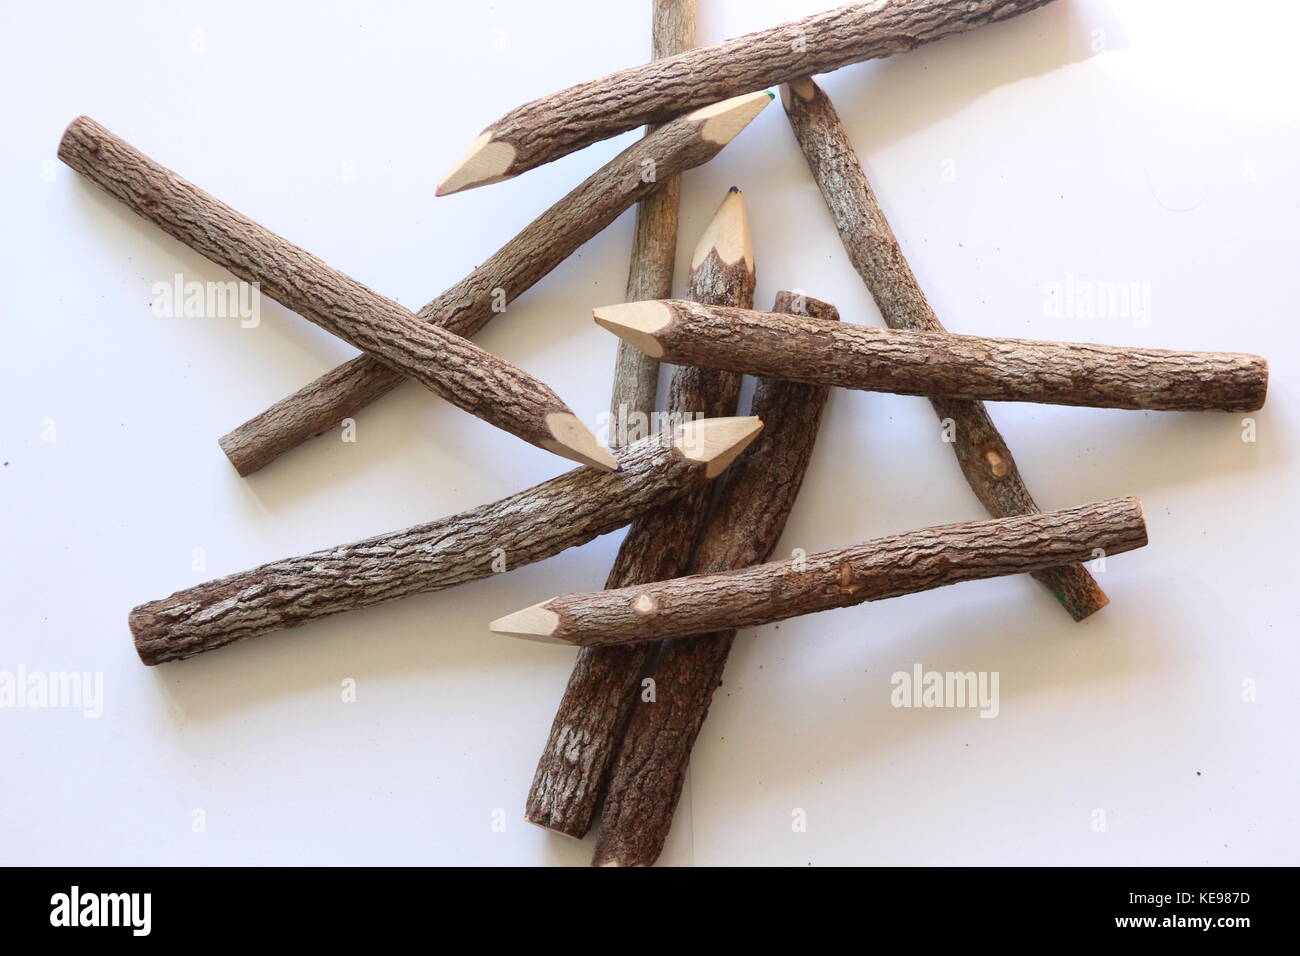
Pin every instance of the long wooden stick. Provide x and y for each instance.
(467, 306)
(528, 526)
(555, 125)
(883, 568)
(646, 779)
(939, 363)
(477, 381)
(985, 460)
(602, 689)
(654, 244)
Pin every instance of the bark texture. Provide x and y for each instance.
(604, 686)
(646, 780)
(477, 381)
(883, 568)
(525, 527)
(654, 245)
(551, 127)
(986, 461)
(959, 366)
(468, 305)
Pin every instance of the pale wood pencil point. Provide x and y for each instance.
(805, 89)
(723, 121)
(533, 623)
(636, 323)
(727, 234)
(486, 161)
(575, 441)
(717, 441)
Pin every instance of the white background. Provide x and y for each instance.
(1148, 142)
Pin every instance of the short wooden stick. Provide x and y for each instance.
(986, 461)
(883, 568)
(528, 526)
(941, 364)
(603, 687)
(654, 244)
(482, 384)
(467, 306)
(555, 125)
(646, 779)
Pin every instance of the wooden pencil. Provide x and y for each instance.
(603, 687)
(654, 245)
(882, 568)
(555, 125)
(467, 306)
(985, 460)
(649, 770)
(482, 384)
(523, 528)
(904, 362)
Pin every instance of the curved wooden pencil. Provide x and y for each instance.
(467, 306)
(482, 384)
(603, 687)
(525, 527)
(654, 244)
(883, 568)
(985, 460)
(646, 779)
(939, 363)
(551, 127)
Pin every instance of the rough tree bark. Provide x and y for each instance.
(654, 243)
(646, 779)
(482, 384)
(982, 453)
(883, 568)
(525, 527)
(603, 687)
(467, 306)
(555, 125)
(939, 363)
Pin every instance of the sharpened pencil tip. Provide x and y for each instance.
(533, 623)
(486, 161)
(717, 441)
(727, 234)
(636, 323)
(573, 440)
(723, 121)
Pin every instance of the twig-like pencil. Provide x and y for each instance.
(603, 687)
(939, 363)
(654, 244)
(985, 460)
(548, 128)
(646, 779)
(467, 306)
(477, 381)
(883, 568)
(525, 527)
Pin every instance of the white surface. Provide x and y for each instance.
(1167, 158)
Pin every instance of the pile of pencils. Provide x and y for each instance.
(691, 568)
